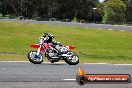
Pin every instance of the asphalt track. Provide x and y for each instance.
(83, 25)
(58, 75)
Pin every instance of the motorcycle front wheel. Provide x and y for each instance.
(73, 59)
(34, 58)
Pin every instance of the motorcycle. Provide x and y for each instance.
(53, 53)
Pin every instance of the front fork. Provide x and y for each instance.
(38, 51)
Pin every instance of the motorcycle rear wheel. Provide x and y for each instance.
(34, 58)
(72, 60)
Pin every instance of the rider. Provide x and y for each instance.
(48, 38)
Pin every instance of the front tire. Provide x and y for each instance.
(73, 59)
(33, 58)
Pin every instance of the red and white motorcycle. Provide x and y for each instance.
(53, 54)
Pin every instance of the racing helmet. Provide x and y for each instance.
(48, 37)
(44, 35)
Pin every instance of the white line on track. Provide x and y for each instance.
(14, 61)
(122, 30)
(107, 64)
(99, 28)
(69, 79)
(29, 62)
(65, 63)
(122, 64)
(96, 63)
(110, 29)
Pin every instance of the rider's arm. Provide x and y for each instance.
(56, 43)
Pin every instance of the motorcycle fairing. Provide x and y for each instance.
(36, 46)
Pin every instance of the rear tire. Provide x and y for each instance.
(73, 60)
(33, 59)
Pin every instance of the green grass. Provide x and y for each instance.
(92, 45)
